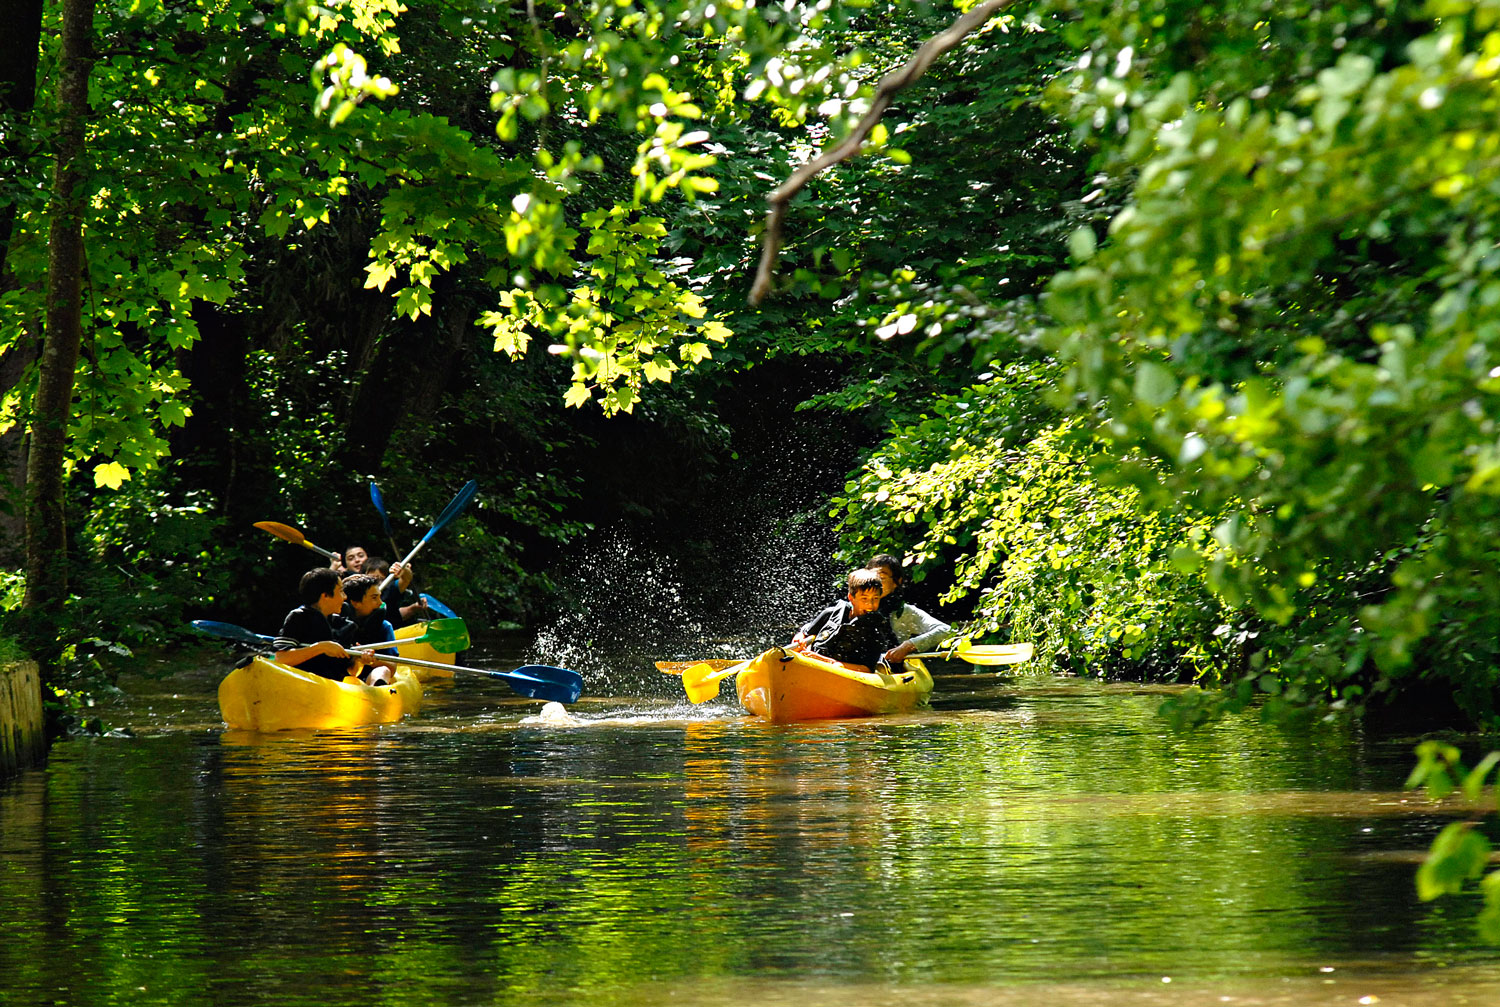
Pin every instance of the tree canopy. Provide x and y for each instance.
(1159, 333)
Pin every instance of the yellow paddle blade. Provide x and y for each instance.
(993, 654)
(988, 654)
(678, 667)
(282, 531)
(701, 682)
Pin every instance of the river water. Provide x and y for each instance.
(1025, 841)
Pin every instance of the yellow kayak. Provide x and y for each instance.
(784, 686)
(421, 652)
(267, 696)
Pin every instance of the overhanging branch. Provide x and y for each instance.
(893, 82)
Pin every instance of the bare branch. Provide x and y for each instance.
(893, 82)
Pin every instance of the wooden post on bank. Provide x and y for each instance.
(22, 742)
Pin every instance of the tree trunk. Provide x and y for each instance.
(46, 526)
(20, 44)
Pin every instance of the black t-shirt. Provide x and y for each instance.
(395, 600)
(370, 628)
(306, 626)
(837, 634)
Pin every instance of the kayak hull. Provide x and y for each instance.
(784, 686)
(267, 696)
(421, 652)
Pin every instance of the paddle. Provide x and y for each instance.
(447, 636)
(536, 681)
(450, 512)
(701, 682)
(678, 667)
(986, 654)
(379, 502)
(287, 533)
(229, 631)
(439, 607)
(981, 653)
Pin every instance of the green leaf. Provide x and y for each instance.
(1457, 855)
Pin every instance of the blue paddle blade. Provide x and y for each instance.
(439, 607)
(228, 631)
(454, 508)
(539, 688)
(547, 673)
(379, 502)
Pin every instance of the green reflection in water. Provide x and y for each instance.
(1048, 836)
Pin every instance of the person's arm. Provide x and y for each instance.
(922, 632)
(812, 628)
(295, 656)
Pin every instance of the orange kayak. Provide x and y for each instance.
(785, 686)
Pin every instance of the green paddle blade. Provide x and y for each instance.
(446, 636)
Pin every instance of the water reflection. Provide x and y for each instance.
(1020, 842)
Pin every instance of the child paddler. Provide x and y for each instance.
(362, 607)
(853, 631)
(403, 606)
(313, 636)
(914, 629)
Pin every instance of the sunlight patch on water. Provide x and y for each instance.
(1403, 982)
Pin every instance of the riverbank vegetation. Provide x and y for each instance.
(1162, 335)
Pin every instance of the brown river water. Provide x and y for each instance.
(1024, 841)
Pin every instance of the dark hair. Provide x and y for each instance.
(316, 583)
(374, 564)
(356, 587)
(864, 579)
(891, 563)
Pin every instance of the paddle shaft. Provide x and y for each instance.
(326, 554)
(457, 504)
(370, 648)
(289, 534)
(992, 655)
(415, 549)
(526, 685)
(440, 639)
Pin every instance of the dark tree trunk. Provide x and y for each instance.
(46, 525)
(20, 43)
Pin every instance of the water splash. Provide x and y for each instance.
(636, 603)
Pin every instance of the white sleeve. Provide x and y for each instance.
(913, 625)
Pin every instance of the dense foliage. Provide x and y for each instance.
(1165, 328)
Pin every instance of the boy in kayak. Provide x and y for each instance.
(851, 632)
(362, 606)
(313, 636)
(355, 560)
(913, 628)
(403, 606)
